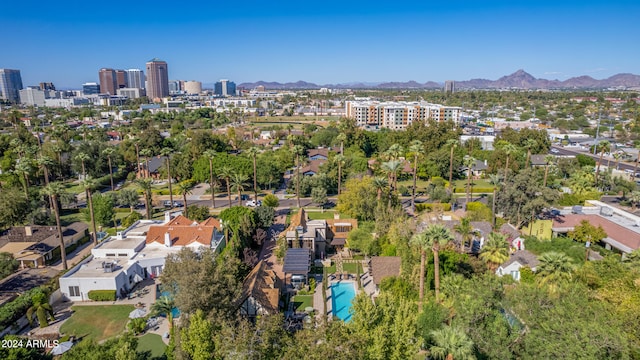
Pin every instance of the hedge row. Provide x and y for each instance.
(102, 295)
(431, 206)
(14, 310)
(474, 190)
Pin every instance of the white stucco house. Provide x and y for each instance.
(516, 261)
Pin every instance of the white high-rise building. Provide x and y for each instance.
(135, 78)
(32, 96)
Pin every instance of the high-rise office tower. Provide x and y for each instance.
(449, 86)
(225, 87)
(10, 85)
(135, 78)
(157, 79)
(192, 87)
(108, 81)
(47, 86)
(90, 88)
(121, 79)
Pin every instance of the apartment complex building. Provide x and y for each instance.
(398, 115)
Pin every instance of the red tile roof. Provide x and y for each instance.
(183, 232)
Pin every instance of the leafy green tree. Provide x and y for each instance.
(7, 264)
(137, 326)
(319, 196)
(103, 209)
(13, 205)
(264, 216)
(451, 343)
(587, 232)
(42, 309)
(358, 200)
(131, 219)
(529, 144)
(361, 240)
(271, 201)
(145, 186)
(198, 213)
(128, 197)
(603, 146)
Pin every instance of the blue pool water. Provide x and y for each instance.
(342, 293)
(175, 312)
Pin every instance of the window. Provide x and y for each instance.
(113, 255)
(74, 291)
(516, 275)
(122, 255)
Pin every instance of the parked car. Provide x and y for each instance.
(554, 150)
(167, 203)
(252, 203)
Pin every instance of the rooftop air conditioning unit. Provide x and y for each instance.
(576, 209)
(606, 211)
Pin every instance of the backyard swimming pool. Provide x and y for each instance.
(342, 293)
(175, 312)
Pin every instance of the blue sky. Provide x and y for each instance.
(323, 42)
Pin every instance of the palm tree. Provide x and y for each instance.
(137, 145)
(297, 151)
(89, 185)
(340, 160)
(469, 162)
(210, 155)
(58, 150)
(451, 343)
(341, 138)
(226, 173)
(166, 152)
(509, 149)
(465, 229)
(554, 267)
(495, 250)
(42, 309)
(53, 190)
(23, 169)
(394, 151)
(529, 144)
(604, 147)
(617, 156)
(392, 167)
(108, 152)
(238, 183)
(164, 305)
(253, 152)
(45, 163)
(184, 188)
(634, 198)
(83, 157)
(451, 144)
(548, 160)
(380, 183)
(635, 168)
(437, 236)
(421, 241)
(416, 148)
(145, 185)
(147, 153)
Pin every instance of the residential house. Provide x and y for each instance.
(318, 154)
(382, 267)
(517, 260)
(339, 230)
(155, 163)
(477, 169)
(34, 245)
(312, 168)
(260, 292)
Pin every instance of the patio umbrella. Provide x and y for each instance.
(137, 313)
(62, 348)
(137, 278)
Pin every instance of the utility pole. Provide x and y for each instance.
(595, 146)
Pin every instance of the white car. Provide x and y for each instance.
(554, 150)
(252, 203)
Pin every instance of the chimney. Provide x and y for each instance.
(336, 216)
(167, 216)
(28, 231)
(119, 235)
(167, 239)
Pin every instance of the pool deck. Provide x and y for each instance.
(317, 299)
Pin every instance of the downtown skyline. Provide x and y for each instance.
(325, 43)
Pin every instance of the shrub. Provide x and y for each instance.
(102, 295)
(477, 211)
(428, 207)
(131, 219)
(14, 310)
(137, 326)
(312, 285)
(271, 201)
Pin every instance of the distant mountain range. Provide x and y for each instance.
(519, 80)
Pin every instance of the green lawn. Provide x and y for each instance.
(300, 302)
(475, 183)
(352, 268)
(152, 343)
(97, 322)
(331, 269)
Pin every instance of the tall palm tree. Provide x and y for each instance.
(226, 173)
(554, 267)
(298, 150)
(465, 229)
(253, 153)
(529, 144)
(416, 148)
(548, 160)
(617, 156)
(238, 183)
(451, 343)
(53, 190)
(604, 147)
(509, 149)
(392, 167)
(83, 157)
(108, 152)
(341, 138)
(42, 309)
(145, 185)
(340, 161)
(421, 241)
(495, 250)
(634, 198)
(89, 185)
(136, 143)
(166, 152)
(147, 154)
(437, 236)
(23, 169)
(210, 154)
(452, 144)
(58, 150)
(164, 305)
(469, 162)
(184, 188)
(635, 167)
(380, 183)
(394, 151)
(45, 163)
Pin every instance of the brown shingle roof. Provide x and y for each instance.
(324, 152)
(263, 285)
(384, 266)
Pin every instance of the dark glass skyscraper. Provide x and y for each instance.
(10, 85)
